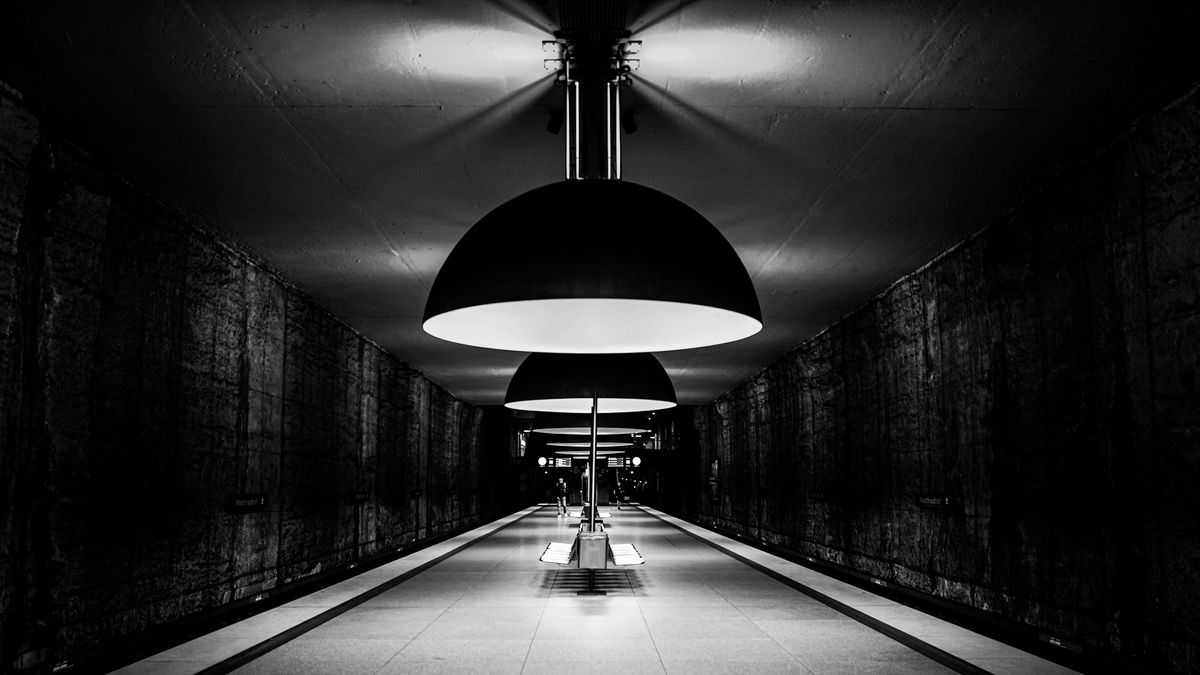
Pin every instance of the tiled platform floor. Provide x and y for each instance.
(493, 608)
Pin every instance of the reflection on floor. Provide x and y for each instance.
(491, 607)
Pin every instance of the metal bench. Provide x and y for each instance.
(564, 554)
(579, 514)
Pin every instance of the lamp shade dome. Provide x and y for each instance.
(593, 267)
(566, 383)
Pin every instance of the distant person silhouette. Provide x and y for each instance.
(561, 495)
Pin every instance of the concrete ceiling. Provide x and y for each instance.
(837, 145)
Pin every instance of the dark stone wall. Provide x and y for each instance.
(149, 372)
(1042, 378)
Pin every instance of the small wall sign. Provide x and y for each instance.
(246, 503)
(936, 501)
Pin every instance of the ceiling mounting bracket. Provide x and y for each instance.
(592, 65)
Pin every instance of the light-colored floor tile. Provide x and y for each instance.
(688, 627)
(461, 624)
(415, 597)
(894, 611)
(163, 668)
(576, 667)
(452, 665)
(591, 628)
(865, 653)
(974, 647)
(721, 650)
(1022, 666)
(594, 653)
(207, 648)
(665, 612)
(694, 667)
(694, 601)
(877, 666)
(792, 612)
(486, 600)
(262, 626)
(844, 631)
(392, 623)
(324, 656)
(424, 648)
(606, 609)
(926, 628)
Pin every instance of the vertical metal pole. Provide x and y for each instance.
(616, 128)
(570, 119)
(608, 131)
(594, 469)
(578, 141)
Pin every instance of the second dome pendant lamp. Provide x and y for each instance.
(593, 264)
(593, 383)
(575, 383)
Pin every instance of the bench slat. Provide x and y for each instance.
(626, 554)
(557, 553)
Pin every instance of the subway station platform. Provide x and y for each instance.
(702, 603)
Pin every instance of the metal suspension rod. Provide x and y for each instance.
(594, 469)
(571, 124)
(614, 128)
(608, 131)
(578, 171)
(593, 107)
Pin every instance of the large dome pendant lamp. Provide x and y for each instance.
(595, 383)
(593, 264)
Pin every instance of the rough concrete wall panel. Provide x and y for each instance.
(439, 457)
(149, 373)
(368, 447)
(18, 133)
(416, 470)
(396, 518)
(254, 545)
(1041, 378)
(309, 472)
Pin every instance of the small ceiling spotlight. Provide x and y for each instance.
(625, 52)
(552, 55)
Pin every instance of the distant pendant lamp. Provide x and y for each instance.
(567, 383)
(575, 441)
(581, 425)
(601, 445)
(593, 264)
